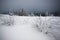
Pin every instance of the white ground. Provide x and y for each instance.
(23, 29)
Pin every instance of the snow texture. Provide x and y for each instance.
(29, 28)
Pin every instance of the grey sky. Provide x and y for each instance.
(30, 4)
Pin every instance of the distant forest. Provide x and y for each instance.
(22, 12)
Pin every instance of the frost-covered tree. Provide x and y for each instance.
(10, 12)
(6, 20)
(42, 24)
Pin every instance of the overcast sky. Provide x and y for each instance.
(30, 4)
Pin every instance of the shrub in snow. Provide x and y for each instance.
(6, 20)
(42, 25)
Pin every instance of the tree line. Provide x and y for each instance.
(22, 12)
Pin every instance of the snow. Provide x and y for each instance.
(24, 29)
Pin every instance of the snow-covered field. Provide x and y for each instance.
(29, 28)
